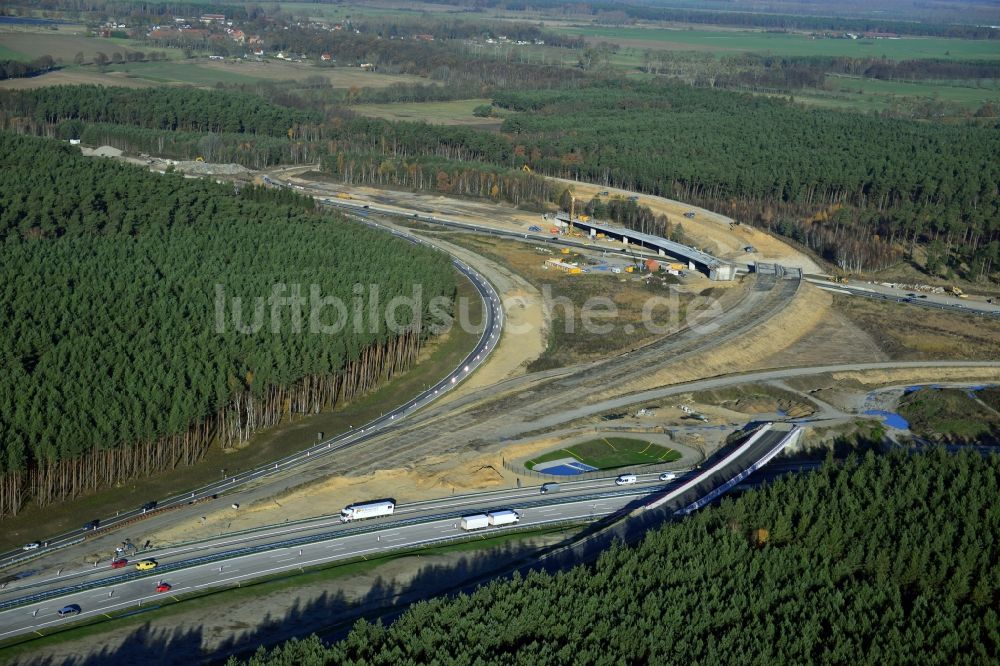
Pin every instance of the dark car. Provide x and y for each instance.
(92, 525)
(72, 609)
(149, 506)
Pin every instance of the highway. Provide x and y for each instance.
(881, 292)
(492, 328)
(29, 606)
(98, 592)
(277, 548)
(314, 527)
(853, 288)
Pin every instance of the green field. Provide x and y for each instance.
(722, 42)
(10, 54)
(870, 95)
(611, 453)
(457, 112)
(880, 92)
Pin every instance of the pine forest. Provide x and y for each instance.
(137, 327)
(879, 560)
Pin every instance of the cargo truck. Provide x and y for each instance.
(505, 517)
(367, 510)
(476, 522)
(494, 518)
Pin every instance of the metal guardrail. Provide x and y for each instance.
(288, 543)
(40, 552)
(718, 491)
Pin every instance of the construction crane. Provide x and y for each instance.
(572, 211)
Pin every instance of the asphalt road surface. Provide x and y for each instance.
(34, 605)
(113, 590)
(881, 292)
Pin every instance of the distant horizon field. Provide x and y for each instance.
(455, 112)
(730, 41)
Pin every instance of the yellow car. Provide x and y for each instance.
(145, 565)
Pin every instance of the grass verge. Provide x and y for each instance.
(913, 332)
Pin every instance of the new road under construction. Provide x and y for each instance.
(450, 464)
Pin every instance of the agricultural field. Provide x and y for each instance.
(64, 45)
(610, 453)
(7, 53)
(458, 112)
(726, 42)
(862, 94)
(178, 72)
(205, 73)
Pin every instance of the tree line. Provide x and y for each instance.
(120, 356)
(887, 183)
(617, 13)
(164, 108)
(444, 62)
(860, 190)
(872, 561)
(442, 175)
(18, 69)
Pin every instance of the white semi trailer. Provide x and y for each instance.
(500, 518)
(476, 522)
(367, 510)
(494, 519)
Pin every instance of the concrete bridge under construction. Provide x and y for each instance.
(714, 267)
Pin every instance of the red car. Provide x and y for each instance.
(119, 563)
(163, 587)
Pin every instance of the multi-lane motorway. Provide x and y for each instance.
(241, 557)
(33, 604)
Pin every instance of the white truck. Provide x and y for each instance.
(494, 519)
(505, 517)
(476, 522)
(367, 510)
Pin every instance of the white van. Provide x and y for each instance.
(625, 479)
